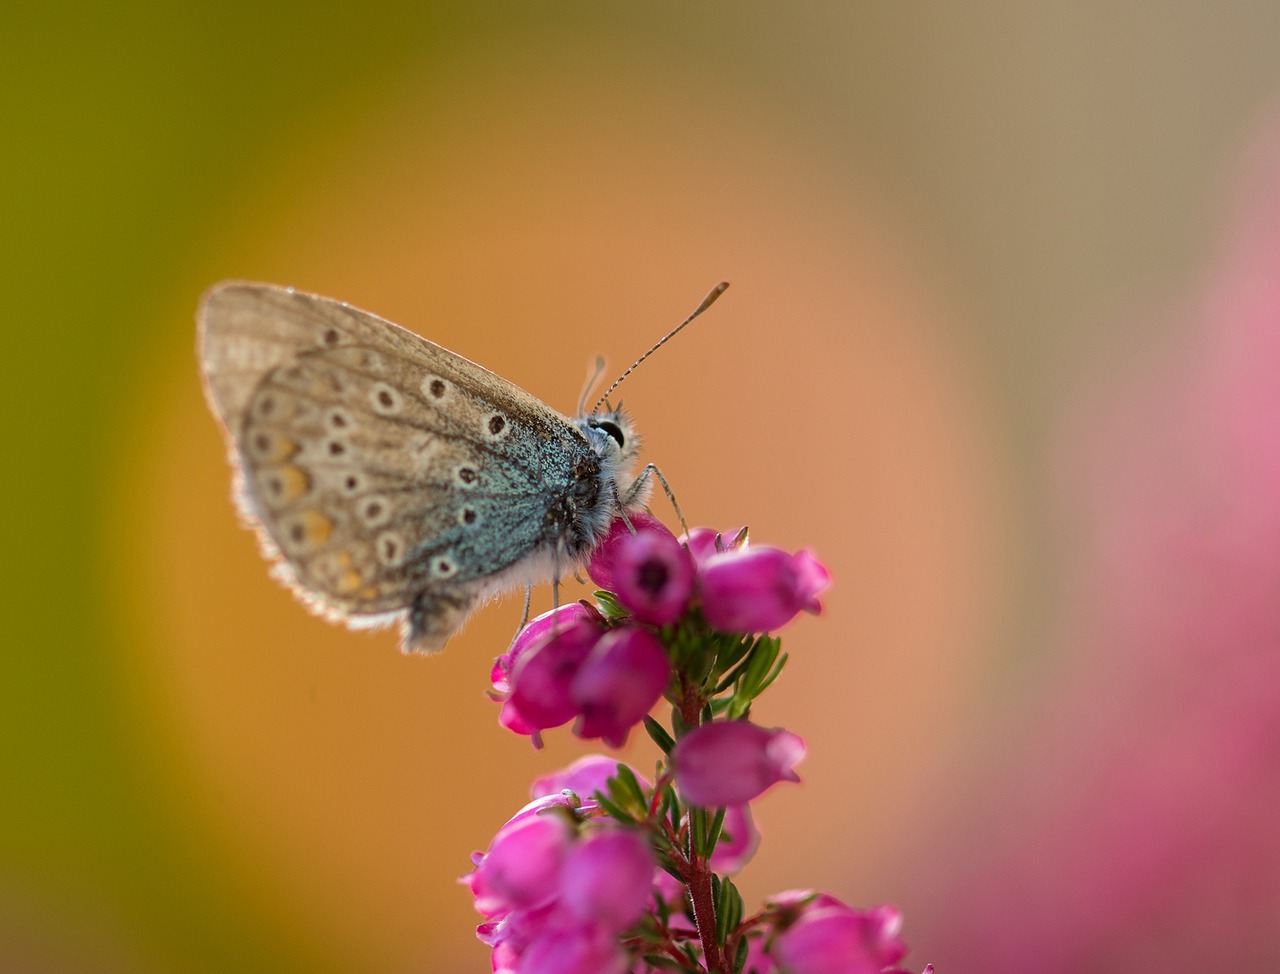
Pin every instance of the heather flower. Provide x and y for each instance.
(649, 570)
(705, 542)
(760, 589)
(738, 840)
(730, 762)
(521, 870)
(618, 683)
(584, 950)
(543, 674)
(584, 777)
(604, 556)
(604, 873)
(829, 937)
(608, 878)
(561, 618)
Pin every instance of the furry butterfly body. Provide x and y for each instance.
(391, 479)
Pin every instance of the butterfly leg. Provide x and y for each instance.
(433, 618)
(638, 485)
(528, 597)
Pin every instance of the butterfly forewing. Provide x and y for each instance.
(387, 472)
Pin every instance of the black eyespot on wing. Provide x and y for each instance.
(613, 429)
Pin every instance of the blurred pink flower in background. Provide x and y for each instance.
(1134, 822)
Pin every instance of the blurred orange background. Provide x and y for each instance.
(954, 238)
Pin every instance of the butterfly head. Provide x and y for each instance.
(615, 441)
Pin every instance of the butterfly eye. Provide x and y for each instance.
(613, 429)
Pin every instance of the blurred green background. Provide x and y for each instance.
(1039, 166)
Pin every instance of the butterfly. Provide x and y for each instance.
(389, 479)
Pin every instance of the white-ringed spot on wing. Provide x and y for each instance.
(374, 510)
(466, 475)
(351, 483)
(385, 399)
(390, 548)
(337, 418)
(495, 427)
(442, 566)
(468, 517)
(434, 388)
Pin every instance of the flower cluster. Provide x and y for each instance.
(607, 872)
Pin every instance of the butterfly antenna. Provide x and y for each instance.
(716, 291)
(593, 376)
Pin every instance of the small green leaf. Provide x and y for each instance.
(698, 830)
(659, 735)
(614, 810)
(740, 959)
(773, 675)
(714, 830)
(628, 788)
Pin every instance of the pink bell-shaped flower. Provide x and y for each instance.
(543, 674)
(618, 683)
(649, 570)
(730, 762)
(760, 589)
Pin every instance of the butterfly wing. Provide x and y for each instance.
(387, 475)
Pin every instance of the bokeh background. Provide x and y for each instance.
(1003, 346)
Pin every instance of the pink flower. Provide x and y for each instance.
(543, 675)
(831, 938)
(584, 777)
(569, 950)
(760, 589)
(604, 556)
(564, 617)
(608, 879)
(705, 542)
(739, 839)
(618, 683)
(521, 870)
(650, 571)
(730, 762)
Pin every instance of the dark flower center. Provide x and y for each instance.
(653, 576)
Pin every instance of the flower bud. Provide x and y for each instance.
(730, 762)
(760, 589)
(618, 683)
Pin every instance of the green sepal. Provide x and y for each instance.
(610, 607)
